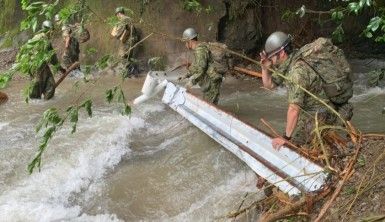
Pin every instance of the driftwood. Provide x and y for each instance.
(71, 68)
(3, 98)
(348, 173)
(248, 72)
(294, 207)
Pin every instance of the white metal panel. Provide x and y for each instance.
(250, 145)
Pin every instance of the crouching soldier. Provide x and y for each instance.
(202, 71)
(319, 68)
(43, 80)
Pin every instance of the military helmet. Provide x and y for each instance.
(66, 28)
(57, 18)
(275, 42)
(47, 25)
(120, 10)
(189, 34)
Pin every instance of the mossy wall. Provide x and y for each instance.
(10, 14)
(161, 16)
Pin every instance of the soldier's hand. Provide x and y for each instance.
(265, 61)
(188, 85)
(278, 143)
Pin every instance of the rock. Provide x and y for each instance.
(240, 28)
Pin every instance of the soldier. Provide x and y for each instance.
(71, 47)
(299, 72)
(127, 35)
(202, 71)
(375, 77)
(43, 80)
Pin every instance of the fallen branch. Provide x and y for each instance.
(74, 66)
(294, 207)
(283, 213)
(248, 72)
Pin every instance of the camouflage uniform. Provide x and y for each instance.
(375, 77)
(204, 73)
(70, 54)
(43, 80)
(125, 27)
(301, 74)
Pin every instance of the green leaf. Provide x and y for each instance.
(88, 107)
(74, 115)
(361, 161)
(127, 110)
(121, 98)
(368, 35)
(338, 34)
(73, 128)
(109, 95)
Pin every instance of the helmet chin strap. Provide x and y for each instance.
(276, 52)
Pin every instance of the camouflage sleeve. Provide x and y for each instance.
(199, 66)
(298, 76)
(54, 60)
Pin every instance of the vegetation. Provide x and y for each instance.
(374, 29)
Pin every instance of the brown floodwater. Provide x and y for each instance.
(153, 165)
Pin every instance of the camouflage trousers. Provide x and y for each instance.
(128, 61)
(69, 59)
(304, 132)
(211, 90)
(43, 83)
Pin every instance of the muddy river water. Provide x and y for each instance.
(153, 165)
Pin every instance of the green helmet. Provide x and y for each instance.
(47, 25)
(189, 34)
(120, 10)
(275, 42)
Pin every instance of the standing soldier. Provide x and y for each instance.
(71, 47)
(202, 71)
(127, 35)
(43, 80)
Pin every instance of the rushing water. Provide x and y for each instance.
(153, 165)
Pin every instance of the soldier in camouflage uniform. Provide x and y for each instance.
(202, 71)
(71, 47)
(127, 35)
(375, 76)
(280, 56)
(43, 80)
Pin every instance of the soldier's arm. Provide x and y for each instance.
(298, 77)
(67, 40)
(199, 66)
(267, 79)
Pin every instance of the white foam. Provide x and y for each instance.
(45, 196)
(374, 91)
(2, 125)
